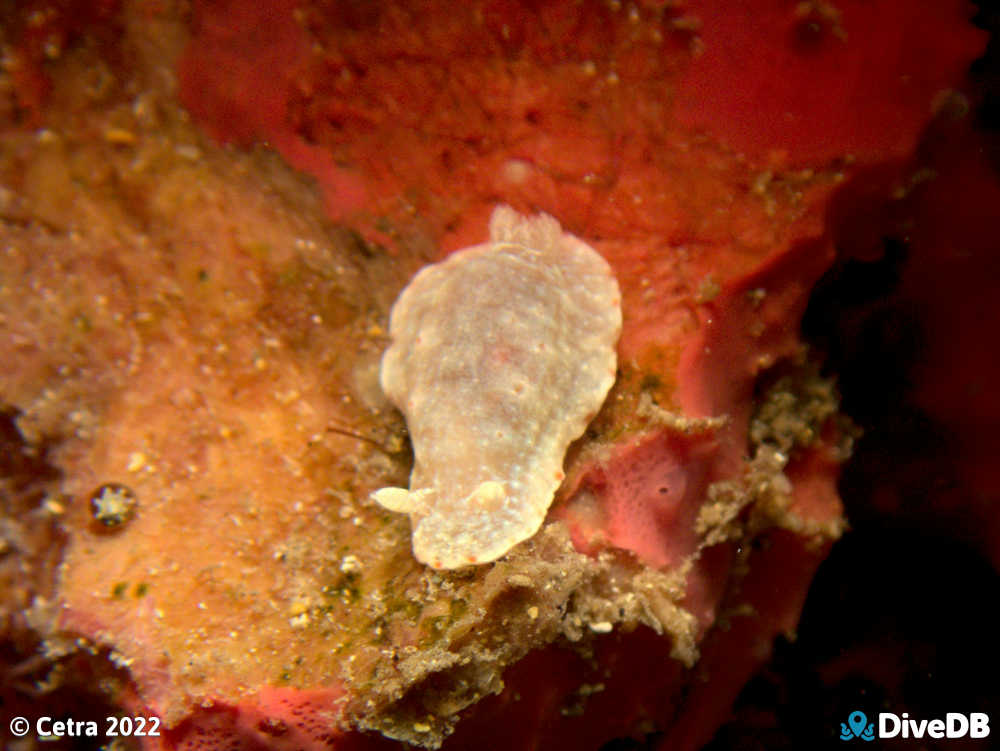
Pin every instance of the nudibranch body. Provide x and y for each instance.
(501, 355)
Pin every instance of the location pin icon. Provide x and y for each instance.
(857, 721)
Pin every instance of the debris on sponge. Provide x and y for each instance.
(500, 357)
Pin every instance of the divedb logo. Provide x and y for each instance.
(954, 725)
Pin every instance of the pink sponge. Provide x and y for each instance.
(644, 496)
(279, 719)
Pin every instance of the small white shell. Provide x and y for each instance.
(501, 355)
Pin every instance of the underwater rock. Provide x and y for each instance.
(259, 599)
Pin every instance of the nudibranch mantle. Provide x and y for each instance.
(501, 354)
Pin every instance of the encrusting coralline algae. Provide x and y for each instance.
(501, 355)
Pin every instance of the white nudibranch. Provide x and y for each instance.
(501, 355)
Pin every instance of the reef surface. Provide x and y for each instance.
(207, 212)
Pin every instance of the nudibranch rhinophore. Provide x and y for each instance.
(501, 354)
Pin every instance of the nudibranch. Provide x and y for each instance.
(500, 356)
